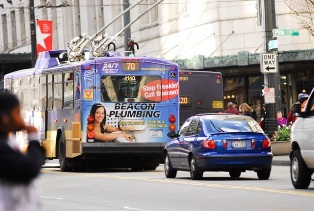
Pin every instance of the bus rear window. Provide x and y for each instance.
(131, 88)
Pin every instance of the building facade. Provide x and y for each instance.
(224, 36)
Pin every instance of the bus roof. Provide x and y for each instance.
(57, 59)
(18, 73)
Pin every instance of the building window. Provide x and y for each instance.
(13, 29)
(4, 32)
(22, 25)
(173, 9)
(116, 10)
(255, 94)
(152, 15)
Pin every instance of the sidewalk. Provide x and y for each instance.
(281, 160)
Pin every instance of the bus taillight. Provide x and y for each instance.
(90, 119)
(173, 67)
(172, 127)
(90, 127)
(172, 118)
(90, 134)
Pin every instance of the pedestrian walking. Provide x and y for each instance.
(231, 109)
(247, 110)
(18, 170)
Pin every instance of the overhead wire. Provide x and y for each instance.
(175, 23)
(192, 29)
(200, 42)
(222, 43)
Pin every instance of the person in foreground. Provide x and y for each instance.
(18, 170)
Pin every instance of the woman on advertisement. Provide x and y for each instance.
(101, 130)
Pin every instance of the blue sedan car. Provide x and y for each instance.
(218, 142)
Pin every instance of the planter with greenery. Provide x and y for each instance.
(280, 141)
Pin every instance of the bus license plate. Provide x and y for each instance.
(155, 133)
(238, 144)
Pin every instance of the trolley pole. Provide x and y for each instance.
(271, 80)
(126, 21)
(33, 32)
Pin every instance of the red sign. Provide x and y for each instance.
(154, 91)
(44, 35)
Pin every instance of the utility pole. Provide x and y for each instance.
(271, 80)
(33, 32)
(126, 21)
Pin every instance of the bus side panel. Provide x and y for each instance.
(59, 119)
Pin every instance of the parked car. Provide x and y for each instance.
(302, 143)
(218, 142)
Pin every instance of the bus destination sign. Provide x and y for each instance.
(130, 66)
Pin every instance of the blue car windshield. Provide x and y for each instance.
(232, 125)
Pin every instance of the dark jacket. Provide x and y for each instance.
(251, 114)
(17, 167)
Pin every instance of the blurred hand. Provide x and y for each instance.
(30, 129)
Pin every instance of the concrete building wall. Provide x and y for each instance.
(175, 29)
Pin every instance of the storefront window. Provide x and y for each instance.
(234, 90)
(255, 94)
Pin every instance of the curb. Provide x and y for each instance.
(281, 163)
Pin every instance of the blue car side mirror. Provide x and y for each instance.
(172, 134)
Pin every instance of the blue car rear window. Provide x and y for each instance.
(232, 125)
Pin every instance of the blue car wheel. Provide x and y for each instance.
(235, 174)
(263, 174)
(169, 171)
(195, 172)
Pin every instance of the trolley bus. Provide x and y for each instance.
(200, 92)
(140, 96)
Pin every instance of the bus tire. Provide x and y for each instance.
(63, 161)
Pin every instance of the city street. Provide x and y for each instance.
(122, 189)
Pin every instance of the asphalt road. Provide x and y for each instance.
(123, 189)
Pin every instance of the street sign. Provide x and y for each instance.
(285, 32)
(272, 44)
(269, 63)
(269, 95)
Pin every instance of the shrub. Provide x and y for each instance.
(283, 133)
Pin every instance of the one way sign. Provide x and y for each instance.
(269, 63)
